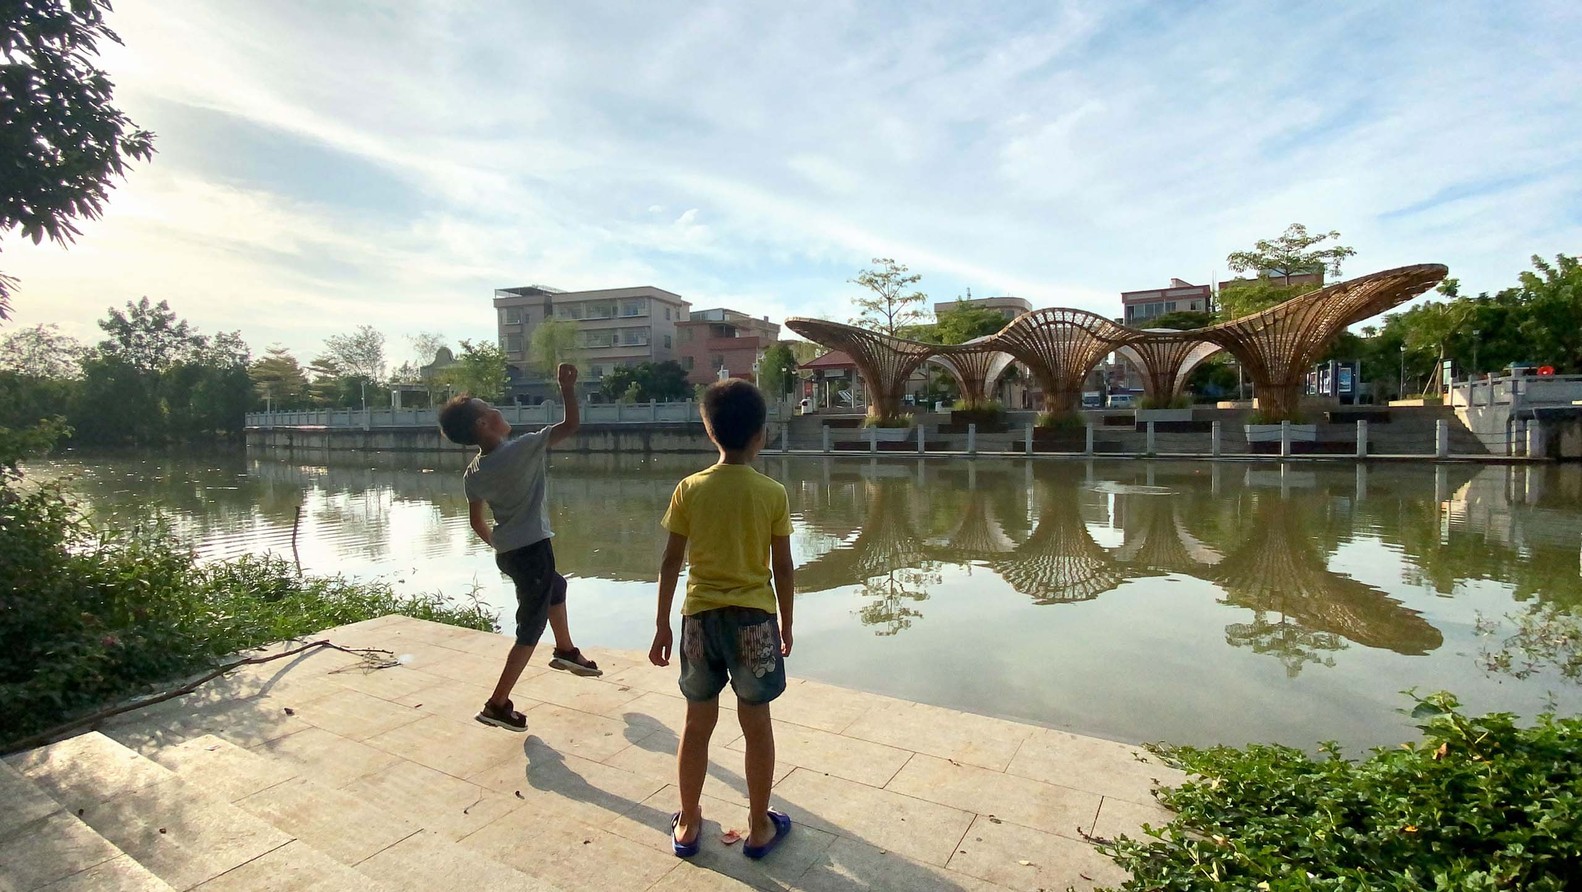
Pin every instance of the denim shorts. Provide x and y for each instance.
(538, 587)
(736, 644)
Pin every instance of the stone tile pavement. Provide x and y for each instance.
(385, 773)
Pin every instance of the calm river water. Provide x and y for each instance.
(1190, 602)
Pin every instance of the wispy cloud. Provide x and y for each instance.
(328, 165)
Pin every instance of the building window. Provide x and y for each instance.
(667, 342)
(634, 307)
(667, 314)
(513, 344)
(634, 337)
(511, 315)
(686, 363)
(602, 337)
(598, 371)
(719, 361)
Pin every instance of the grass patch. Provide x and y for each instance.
(1480, 803)
(89, 616)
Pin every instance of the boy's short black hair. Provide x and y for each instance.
(458, 420)
(734, 412)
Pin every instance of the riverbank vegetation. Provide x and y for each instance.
(1479, 803)
(91, 615)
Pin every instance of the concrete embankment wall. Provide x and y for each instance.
(673, 437)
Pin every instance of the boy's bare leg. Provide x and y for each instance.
(692, 765)
(559, 626)
(758, 734)
(515, 662)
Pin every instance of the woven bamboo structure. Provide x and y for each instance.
(1165, 358)
(884, 361)
(1278, 346)
(1060, 346)
(976, 365)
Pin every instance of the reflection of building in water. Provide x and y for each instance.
(1301, 607)
(1060, 562)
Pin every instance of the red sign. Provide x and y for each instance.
(1546, 370)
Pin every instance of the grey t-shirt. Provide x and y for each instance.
(511, 479)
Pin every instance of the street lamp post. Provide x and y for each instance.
(1475, 351)
(1403, 371)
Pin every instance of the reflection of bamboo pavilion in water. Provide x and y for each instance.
(1266, 563)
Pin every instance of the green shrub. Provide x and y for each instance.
(1478, 804)
(891, 421)
(89, 616)
(1062, 421)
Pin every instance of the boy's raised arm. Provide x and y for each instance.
(785, 586)
(669, 574)
(567, 376)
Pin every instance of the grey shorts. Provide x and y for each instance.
(740, 645)
(538, 587)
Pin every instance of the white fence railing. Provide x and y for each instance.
(1528, 390)
(544, 413)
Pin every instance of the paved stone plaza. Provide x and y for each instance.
(313, 772)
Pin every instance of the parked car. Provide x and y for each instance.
(1121, 401)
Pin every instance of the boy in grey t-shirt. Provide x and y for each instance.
(509, 477)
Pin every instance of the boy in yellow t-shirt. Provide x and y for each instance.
(732, 523)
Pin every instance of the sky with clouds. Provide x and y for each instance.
(328, 164)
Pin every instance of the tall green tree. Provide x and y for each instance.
(1273, 262)
(42, 351)
(553, 342)
(63, 142)
(1552, 296)
(359, 353)
(963, 322)
(279, 380)
(1293, 252)
(777, 371)
(479, 370)
(892, 303)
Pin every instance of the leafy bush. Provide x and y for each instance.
(89, 616)
(1062, 421)
(1478, 804)
(889, 421)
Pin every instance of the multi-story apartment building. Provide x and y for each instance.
(717, 339)
(1184, 297)
(615, 327)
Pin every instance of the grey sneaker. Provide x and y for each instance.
(574, 662)
(503, 716)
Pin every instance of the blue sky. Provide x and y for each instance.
(324, 165)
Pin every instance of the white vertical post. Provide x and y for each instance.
(920, 448)
(1285, 439)
(1442, 438)
(972, 438)
(826, 439)
(653, 410)
(785, 436)
(1214, 435)
(1362, 481)
(618, 405)
(873, 439)
(1362, 438)
(1087, 449)
(1029, 439)
(1150, 446)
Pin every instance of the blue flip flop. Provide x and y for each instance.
(683, 850)
(782, 827)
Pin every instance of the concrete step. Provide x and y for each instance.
(176, 829)
(396, 851)
(44, 846)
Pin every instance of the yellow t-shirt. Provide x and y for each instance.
(728, 514)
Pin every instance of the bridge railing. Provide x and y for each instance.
(1516, 391)
(544, 413)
